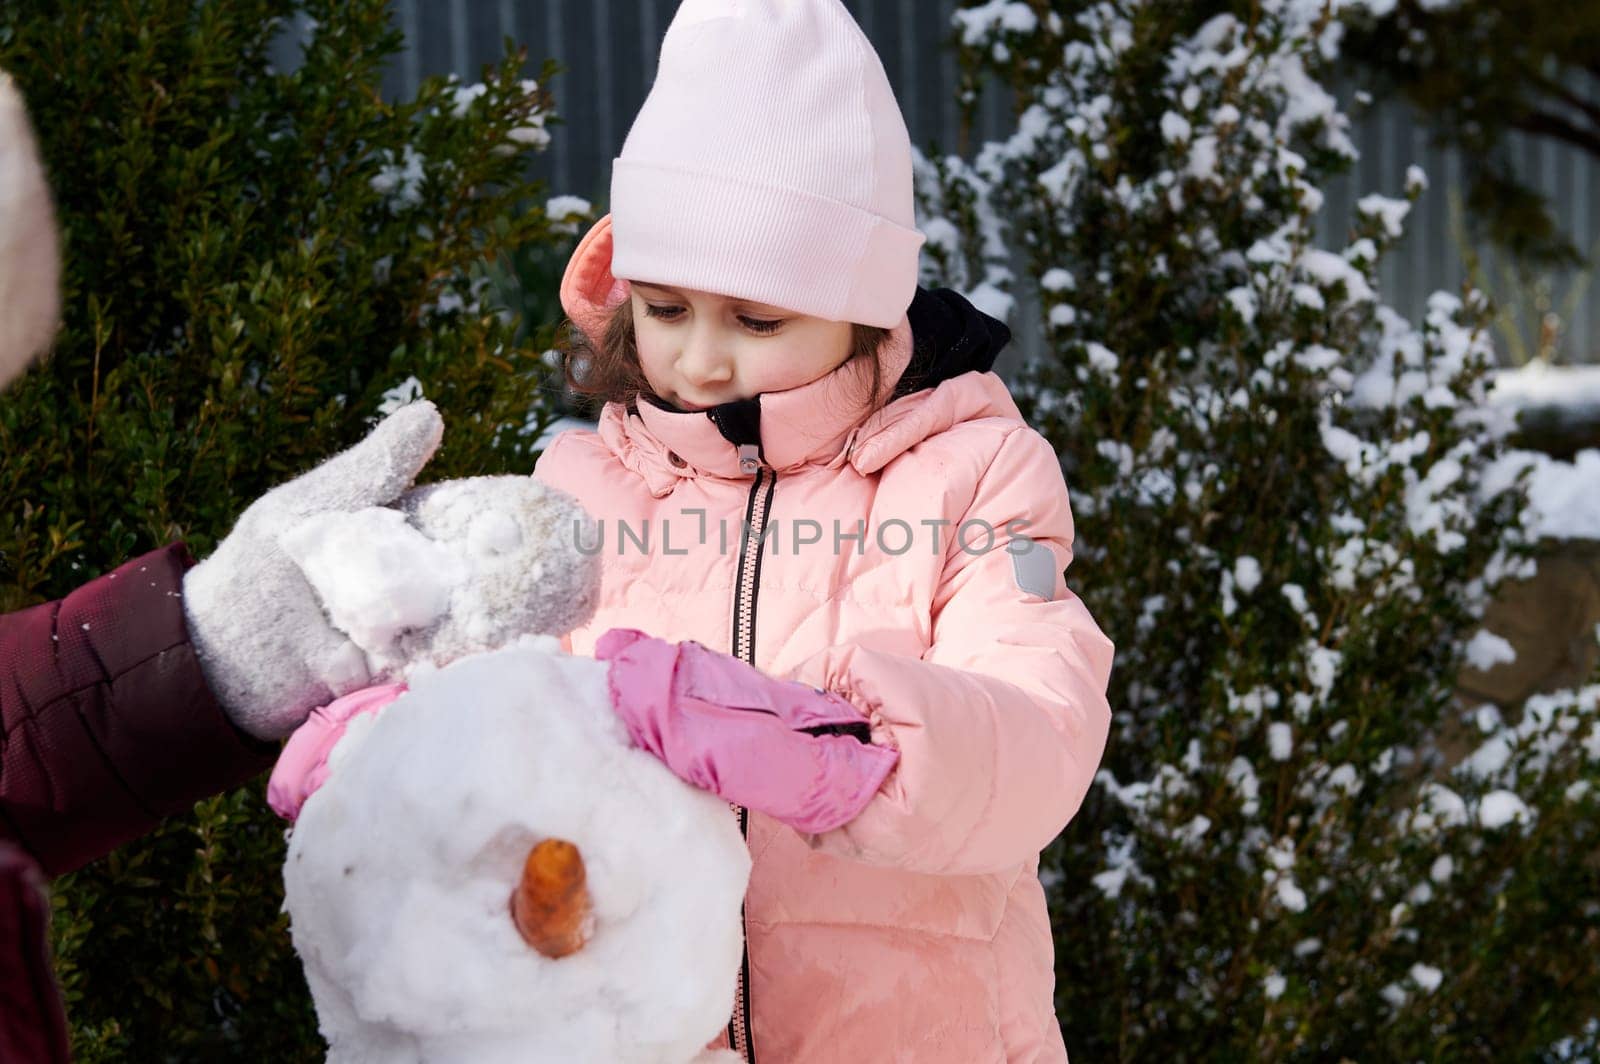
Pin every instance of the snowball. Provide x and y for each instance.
(1273, 985)
(377, 576)
(1443, 868)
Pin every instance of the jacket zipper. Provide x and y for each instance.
(757, 507)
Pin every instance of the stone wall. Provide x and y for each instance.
(1551, 621)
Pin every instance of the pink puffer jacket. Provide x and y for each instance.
(918, 932)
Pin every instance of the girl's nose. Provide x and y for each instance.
(704, 359)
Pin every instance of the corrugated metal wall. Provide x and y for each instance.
(609, 50)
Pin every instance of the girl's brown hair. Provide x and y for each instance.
(608, 371)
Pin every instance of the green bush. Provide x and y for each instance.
(1291, 512)
(254, 257)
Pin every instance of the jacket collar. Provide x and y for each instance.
(935, 369)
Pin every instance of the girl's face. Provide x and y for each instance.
(698, 350)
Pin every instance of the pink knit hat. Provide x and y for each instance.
(771, 163)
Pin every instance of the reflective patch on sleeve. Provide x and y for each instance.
(1034, 566)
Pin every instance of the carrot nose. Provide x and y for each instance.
(550, 904)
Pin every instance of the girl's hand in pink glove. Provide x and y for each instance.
(303, 764)
(800, 755)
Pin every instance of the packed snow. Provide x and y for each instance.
(460, 567)
(400, 869)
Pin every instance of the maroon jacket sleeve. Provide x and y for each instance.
(32, 1026)
(106, 722)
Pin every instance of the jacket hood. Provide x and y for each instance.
(935, 372)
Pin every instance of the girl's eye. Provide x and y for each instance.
(757, 325)
(664, 313)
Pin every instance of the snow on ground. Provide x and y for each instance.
(1563, 497)
(1540, 384)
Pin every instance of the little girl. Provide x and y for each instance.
(804, 463)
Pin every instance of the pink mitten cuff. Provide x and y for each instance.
(303, 765)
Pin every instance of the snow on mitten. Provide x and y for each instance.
(456, 568)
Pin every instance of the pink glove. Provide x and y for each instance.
(770, 745)
(303, 765)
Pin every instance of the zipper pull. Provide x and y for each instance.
(750, 458)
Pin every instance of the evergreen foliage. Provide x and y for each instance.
(254, 258)
(1291, 511)
(1480, 70)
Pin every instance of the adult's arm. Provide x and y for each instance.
(107, 724)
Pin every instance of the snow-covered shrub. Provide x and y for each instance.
(1288, 522)
(254, 258)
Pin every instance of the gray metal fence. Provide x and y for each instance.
(609, 49)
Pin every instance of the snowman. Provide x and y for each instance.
(481, 867)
